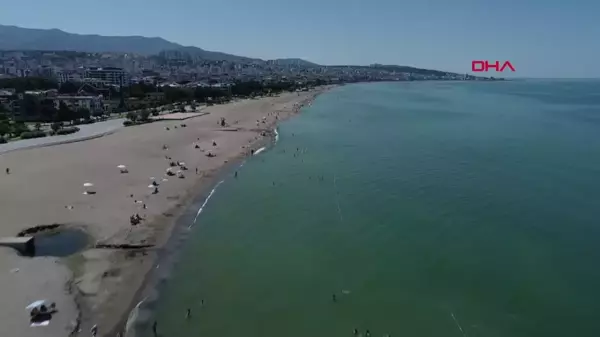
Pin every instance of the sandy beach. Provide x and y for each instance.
(45, 186)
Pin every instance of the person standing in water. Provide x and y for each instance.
(188, 313)
(334, 298)
(154, 328)
(236, 174)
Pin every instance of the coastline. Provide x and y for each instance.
(101, 286)
(142, 309)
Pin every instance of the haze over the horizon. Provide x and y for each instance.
(552, 39)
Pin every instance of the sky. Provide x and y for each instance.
(548, 39)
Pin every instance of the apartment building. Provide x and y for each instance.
(108, 75)
(67, 76)
(92, 103)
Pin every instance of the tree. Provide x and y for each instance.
(55, 126)
(22, 84)
(4, 128)
(64, 114)
(68, 88)
(97, 113)
(47, 110)
(83, 113)
(144, 115)
(18, 128)
(132, 116)
(30, 107)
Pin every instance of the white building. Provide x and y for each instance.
(68, 76)
(92, 103)
(108, 75)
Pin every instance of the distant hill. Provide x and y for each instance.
(17, 38)
(413, 70)
(294, 61)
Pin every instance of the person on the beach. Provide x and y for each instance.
(7, 170)
(236, 174)
(188, 313)
(196, 170)
(94, 330)
(144, 206)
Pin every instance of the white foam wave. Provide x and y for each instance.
(259, 150)
(276, 135)
(204, 203)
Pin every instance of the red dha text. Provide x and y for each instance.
(479, 66)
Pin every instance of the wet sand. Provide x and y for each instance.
(45, 186)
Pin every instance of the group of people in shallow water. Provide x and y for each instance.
(188, 315)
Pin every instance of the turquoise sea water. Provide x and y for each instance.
(429, 209)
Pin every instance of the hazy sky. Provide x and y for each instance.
(545, 38)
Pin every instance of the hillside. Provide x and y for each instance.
(17, 38)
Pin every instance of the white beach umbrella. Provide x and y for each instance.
(151, 186)
(88, 185)
(122, 166)
(37, 304)
(181, 164)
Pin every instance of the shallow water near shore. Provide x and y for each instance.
(428, 209)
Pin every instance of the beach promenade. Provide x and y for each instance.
(85, 132)
(46, 186)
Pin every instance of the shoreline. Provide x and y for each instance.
(100, 285)
(141, 310)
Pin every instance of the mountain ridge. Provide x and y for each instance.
(20, 38)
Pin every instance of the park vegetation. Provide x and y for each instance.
(62, 120)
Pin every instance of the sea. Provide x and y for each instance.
(406, 209)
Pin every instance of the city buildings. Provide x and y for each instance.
(91, 103)
(108, 75)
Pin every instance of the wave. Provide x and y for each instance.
(205, 202)
(276, 135)
(259, 150)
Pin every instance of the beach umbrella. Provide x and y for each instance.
(151, 186)
(122, 166)
(88, 185)
(37, 304)
(181, 164)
